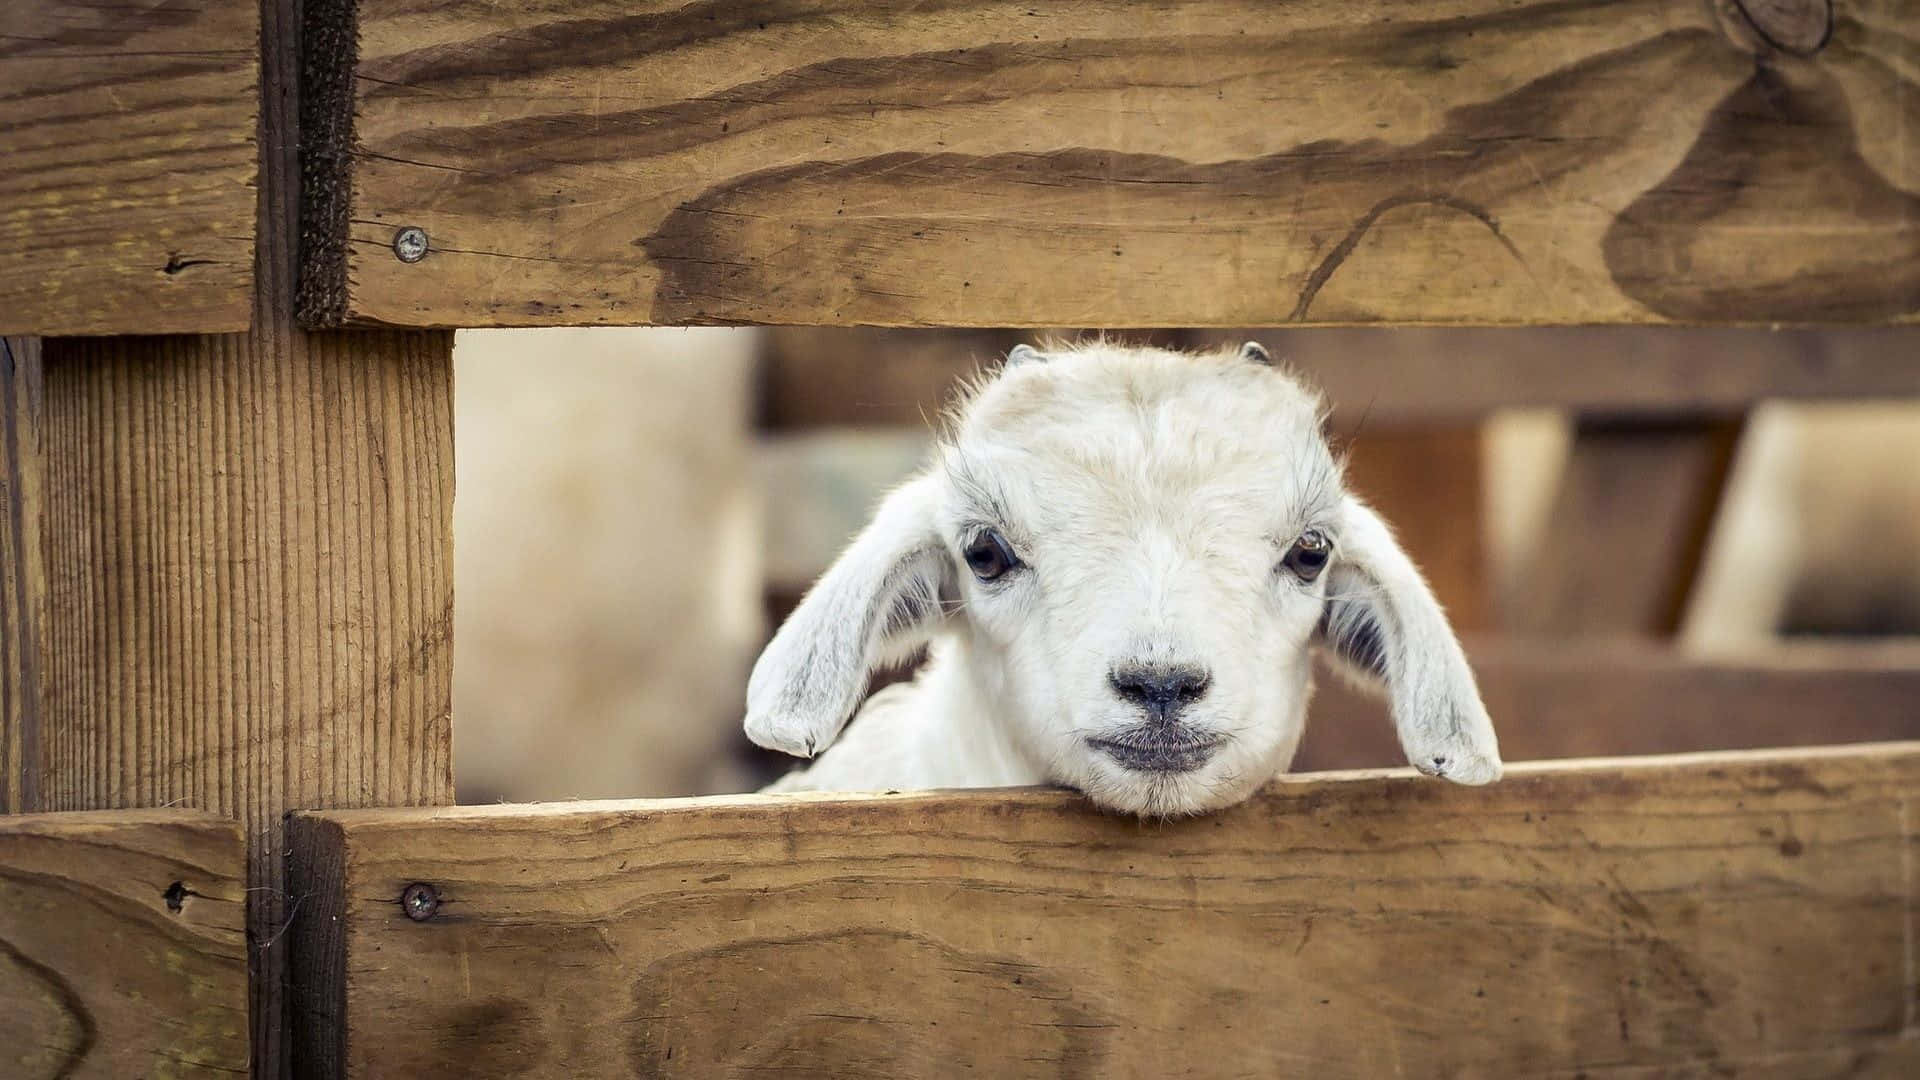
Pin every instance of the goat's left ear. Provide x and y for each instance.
(877, 603)
(1384, 626)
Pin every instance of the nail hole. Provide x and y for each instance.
(176, 897)
(177, 263)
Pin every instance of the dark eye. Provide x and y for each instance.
(1308, 555)
(989, 557)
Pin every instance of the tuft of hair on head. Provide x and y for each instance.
(1023, 353)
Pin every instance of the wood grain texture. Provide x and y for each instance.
(128, 136)
(250, 604)
(1628, 530)
(250, 566)
(1189, 162)
(23, 577)
(1615, 697)
(823, 377)
(1734, 914)
(122, 946)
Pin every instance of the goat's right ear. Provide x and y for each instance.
(878, 602)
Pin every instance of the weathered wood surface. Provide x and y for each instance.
(127, 164)
(1746, 914)
(23, 579)
(1194, 162)
(249, 603)
(1607, 698)
(122, 946)
(819, 377)
(1628, 530)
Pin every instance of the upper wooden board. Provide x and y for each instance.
(123, 946)
(1742, 915)
(1057, 162)
(127, 165)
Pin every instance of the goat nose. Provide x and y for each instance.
(1163, 689)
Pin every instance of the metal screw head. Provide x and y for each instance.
(419, 901)
(410, 244)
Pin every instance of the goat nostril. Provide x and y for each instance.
(1161, 688)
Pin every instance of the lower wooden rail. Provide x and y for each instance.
(1555, 698)
(122, 946)
(1748, 913)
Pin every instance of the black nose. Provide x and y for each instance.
(1162, 689)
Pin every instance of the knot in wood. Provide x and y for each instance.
(1799, 27)
(420, 900)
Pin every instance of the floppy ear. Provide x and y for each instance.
(879, 601)
(1384, 627)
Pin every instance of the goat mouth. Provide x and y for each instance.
(1159, 753)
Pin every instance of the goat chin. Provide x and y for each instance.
(1115, 541)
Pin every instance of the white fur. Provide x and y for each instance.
(1151, 497)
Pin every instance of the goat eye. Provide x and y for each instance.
(1308, 555)
(989, 557)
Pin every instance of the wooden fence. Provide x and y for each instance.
(1747, 913)
(226, 578)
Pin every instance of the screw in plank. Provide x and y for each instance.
(419, 901)
(410, 244)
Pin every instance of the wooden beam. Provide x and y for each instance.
(250, 601)
(1054, 163)
(1607, 698)
(122, 946)
(126, 195)
(1427, 374)
(1628, 530)
(1750, 913)
(1393, 378)
(23, 572)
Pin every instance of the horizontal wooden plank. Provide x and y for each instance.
(1747, 913)
(1603, 698)
(122, 945)
(1052, 162)
(127, 190)
(839, 377)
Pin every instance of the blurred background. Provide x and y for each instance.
(1651, 540)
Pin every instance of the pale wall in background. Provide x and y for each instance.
(606, 561)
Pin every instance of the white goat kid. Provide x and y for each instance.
(1121, 560)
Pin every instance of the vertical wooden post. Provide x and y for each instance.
(22, 573)
(249, 565)
(1629, 528)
